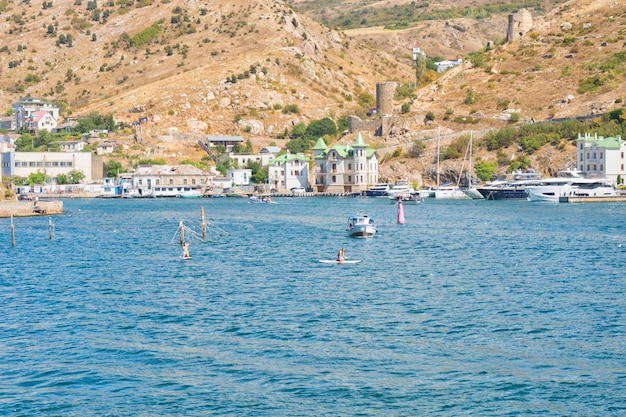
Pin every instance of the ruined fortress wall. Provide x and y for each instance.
(520, 23)
(384, 97)
(379, 127)
(356, 124)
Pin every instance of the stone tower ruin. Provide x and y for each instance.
(384, 97)
(520, 23)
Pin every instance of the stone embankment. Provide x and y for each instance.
(30, 208)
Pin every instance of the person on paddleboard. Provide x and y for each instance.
(186, 250)
(340, 255)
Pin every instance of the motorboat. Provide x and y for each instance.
(190, 193)
(570, 183)
(378, 190)
(361, 225)
(260, 199)
(514, 189)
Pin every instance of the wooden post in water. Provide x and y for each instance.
(50, 227)
(12, 232)
(203, 225)
(181, 228)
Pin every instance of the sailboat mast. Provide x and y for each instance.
(469, 180)
(438, 139)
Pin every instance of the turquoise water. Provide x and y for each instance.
(469, 308)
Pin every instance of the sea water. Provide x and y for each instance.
(468, 308)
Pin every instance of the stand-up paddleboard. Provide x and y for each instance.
(334, 261)
(185, 258)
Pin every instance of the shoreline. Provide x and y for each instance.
(29, 208)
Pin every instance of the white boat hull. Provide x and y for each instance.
(362, 230)
(450, 193)
(361, 226)
(473, 193)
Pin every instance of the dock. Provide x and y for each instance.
(30, 208)
(598, 199)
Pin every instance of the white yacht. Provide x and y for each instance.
(570, 183)
(401, 189)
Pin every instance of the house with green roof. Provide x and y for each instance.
(602, 157)
(345, 168)
(287, 171)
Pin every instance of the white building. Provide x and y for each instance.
(70, 145)
(345, 168)
(170, 180)
(288, 171)
(22, 164)
(263, 157)
(444, 65)
(105, 148)
(41, 120)
(28, 106)
(602, 157)
(239, 176)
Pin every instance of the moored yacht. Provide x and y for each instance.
(401, 189)
(378, 190)
(570, 183)
(514, 189)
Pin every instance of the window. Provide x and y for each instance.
(349, 178)
(334, 179)
(184, 181)
(601, 167)
(193, 181)
(349, 167)
(32, 164)
(171, 181)
(140, 182)
(158, 181)
(601, 155)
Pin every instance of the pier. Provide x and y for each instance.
(603, 199)
(30, 208)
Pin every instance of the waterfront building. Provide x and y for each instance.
(345, 168)
(288, 171)
(22, 164)
(170, 180)
(598, 156)
(240, 176)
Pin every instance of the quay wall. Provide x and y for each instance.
(602, 199)
(28, 208)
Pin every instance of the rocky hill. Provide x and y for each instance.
(194, 68)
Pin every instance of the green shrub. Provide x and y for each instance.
(484, 170)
